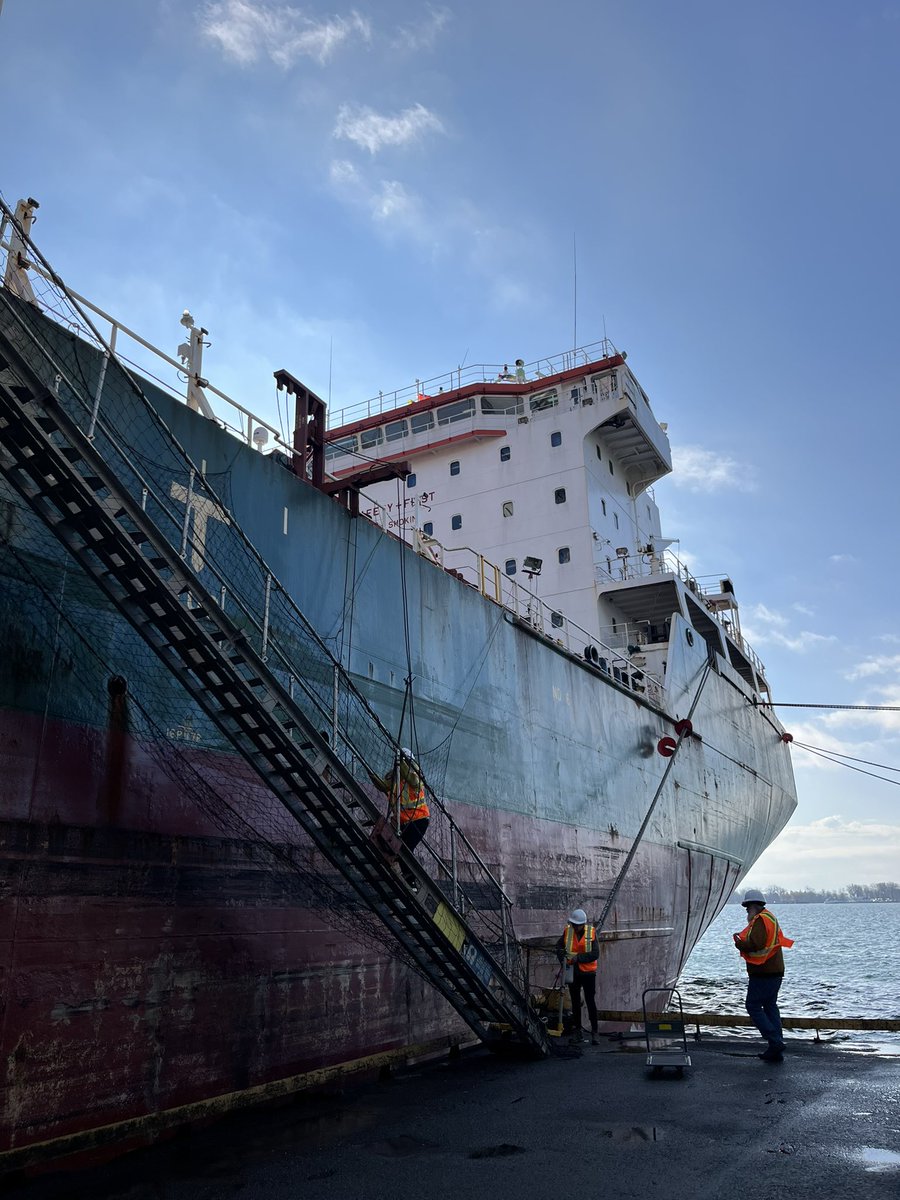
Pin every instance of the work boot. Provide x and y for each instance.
(772, 1055)
(595, 1038)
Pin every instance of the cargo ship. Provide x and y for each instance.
(480, 560)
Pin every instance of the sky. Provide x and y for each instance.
(374, 194)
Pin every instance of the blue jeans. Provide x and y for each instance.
(762, 1005)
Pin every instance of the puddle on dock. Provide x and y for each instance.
(874, 1158)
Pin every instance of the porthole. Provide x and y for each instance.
(689, 634)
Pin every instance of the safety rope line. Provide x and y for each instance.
(852, 707)
(849, 766)
(838, 754)
(684, 731)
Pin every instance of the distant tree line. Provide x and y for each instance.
(853, 893)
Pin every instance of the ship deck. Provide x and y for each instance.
(822, 1124)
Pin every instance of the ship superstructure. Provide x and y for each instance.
(546, 473)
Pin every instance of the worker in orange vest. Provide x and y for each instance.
(760, 946)
(579, 950)
(407, 806)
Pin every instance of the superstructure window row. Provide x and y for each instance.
(447, 414)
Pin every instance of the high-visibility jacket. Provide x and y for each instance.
(412, 803)
(580, 945)
(774, 939)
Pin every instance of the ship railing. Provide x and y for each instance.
(152, 467)
(474, 373)
(651, 563)
(149, 360)
(255, 430)
(473, 568)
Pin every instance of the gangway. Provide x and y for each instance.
(86, 480)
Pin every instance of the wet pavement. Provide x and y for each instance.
(825, 1123)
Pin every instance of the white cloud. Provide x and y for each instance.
(830, 853)
(491, 253)
(841, 560)
(702, 470)
(773, 628)
(391, 206)
(423, 34)
(372, 131)
(246, 31)
(878, 665)
(343, 173)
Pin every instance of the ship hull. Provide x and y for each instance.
(170, 940)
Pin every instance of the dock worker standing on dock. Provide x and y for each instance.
(760, 946)
(578, 948)
(408, 808)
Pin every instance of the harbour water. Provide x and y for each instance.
(843, 964)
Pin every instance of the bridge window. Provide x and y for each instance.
(556, 438)
(456, 412)
(504, 454)
(493, 405)
(507, 509)
(556, 620)
(371, 437)
(419, 422)
(543, 400)
(454, 468)
(559, 496)
(428, 528)
(346, 445)
(395, 431)
(411, 480)
(510, 566)
(564, 554)
(456, 521)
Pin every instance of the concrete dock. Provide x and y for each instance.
(825, 1123)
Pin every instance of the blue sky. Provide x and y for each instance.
(404, 183)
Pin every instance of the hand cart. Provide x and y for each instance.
(665, 1032)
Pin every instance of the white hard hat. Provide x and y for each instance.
(578, 916)
(753, 897)
(406, 752)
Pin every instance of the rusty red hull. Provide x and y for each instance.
(150, 963)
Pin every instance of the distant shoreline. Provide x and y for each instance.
(736, 899)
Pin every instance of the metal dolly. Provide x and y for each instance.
(668, 1028)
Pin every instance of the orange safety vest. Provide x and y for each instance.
(580, 945)
(412, 803)
(774, 939)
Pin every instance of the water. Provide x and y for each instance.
(843, 964)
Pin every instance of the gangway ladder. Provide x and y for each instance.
(665, 1033)
(76, 492)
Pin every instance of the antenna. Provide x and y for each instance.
(575, 289)
(330, 361)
